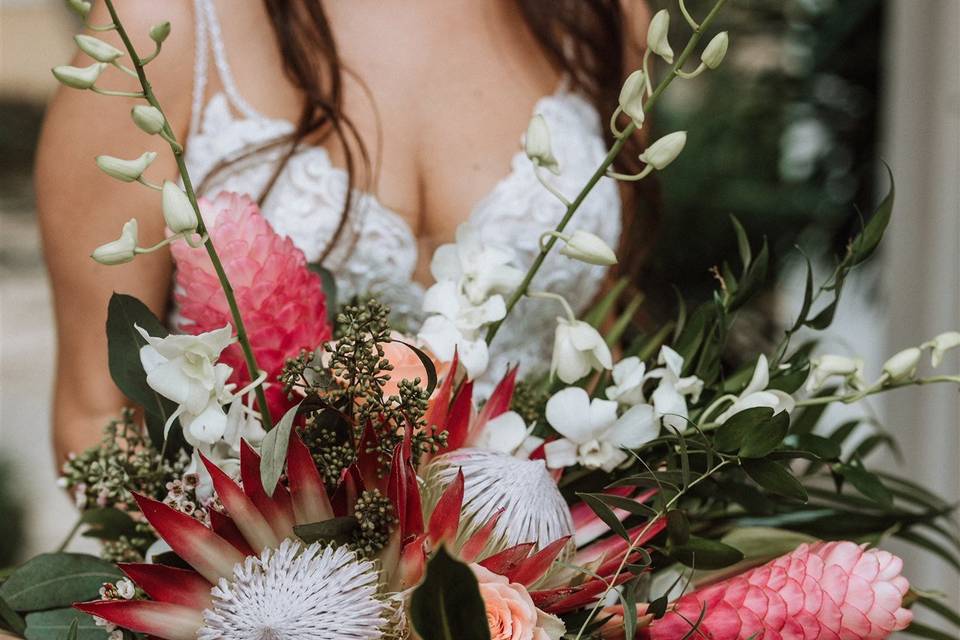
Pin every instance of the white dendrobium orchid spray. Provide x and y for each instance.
(631, 96)
(96, 48)
(665, 150)
(593, 435)
(184, 369)
(826, 367)
(902, 365)
(126, 170)
(714, 53)
(940, 345)
(178, 213)
(298, 592)
(148, 118)
(121, 250)
(537, 145)
(657, 34)
(670, 397)
(587, 247)
(756, 394)
(471, 277)
(242, 424)
(79, 77)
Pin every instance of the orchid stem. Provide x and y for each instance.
(860, 395)
(168, 135)
(601, 171)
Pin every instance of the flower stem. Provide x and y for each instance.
(859, 395)
(601, 171)
(177, 148)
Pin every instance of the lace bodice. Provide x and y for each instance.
(377, 254)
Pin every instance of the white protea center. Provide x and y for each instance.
(534, 510)
(298, 593)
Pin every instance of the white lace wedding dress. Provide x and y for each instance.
(378, 252)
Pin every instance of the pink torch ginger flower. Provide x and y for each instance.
(823, 591)
(281, 300)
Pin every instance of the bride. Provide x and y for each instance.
(368, 131)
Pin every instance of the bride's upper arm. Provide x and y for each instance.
(80, 208)
(636, 15)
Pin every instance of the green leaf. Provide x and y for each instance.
(867, 483)
(678, 527)
(743, 243)
(940, 609)
(273, 450)
(108, 523)
(55, 624)
(10, 618)
(620, 326)
(752, 279)
(123, 356)
(337, 530)
(703, 553)
(863, 246)
(774, 478)
(329, 285)
(821, 448)
(807, 298)
(627, 504)
(739, 427)
(923, 631)
(605, 513)
(766, 437)
(447, 604)
(55, 580)
(599, 312)
(74, 629)
(427, 363)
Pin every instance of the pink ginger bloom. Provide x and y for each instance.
(281, 300)
(823, 591)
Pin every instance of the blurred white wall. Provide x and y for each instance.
(921, 258)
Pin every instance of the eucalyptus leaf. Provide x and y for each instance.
(447, 604)
(703, 553)
(867, 483)
(739, 427)
(10, 618)
(273, 450)
(55, 580)
(107, 523)
(56, 624)
(863, 246)
(768, 435)
(775, 478)
(605, 513)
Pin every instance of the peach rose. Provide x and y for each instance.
(406, 363)
(511, 613)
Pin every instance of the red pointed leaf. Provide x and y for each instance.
(508, 559)
(404, 490)
(445, 519)
(170, 584)
(534, 567)
(212, 556)
(307, 490)
(458, 420)
(582, 595)
(615, 546)
(170, 621)
(246, 517)
(498, 403)
(224, 527)
(478, 541)
(436, 415)
(277, 509)
(368, 462)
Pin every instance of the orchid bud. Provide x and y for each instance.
(537, 145)
(941, 344)
(79, 77)
(159, 32)
(714, 53)
(824, 367)
(80, 7)
(657, 35)
(96, 48)
(178, 212)
(631, 96)
(125, 170)
(589, 248)
(121, 250)
(665, 150)
(902, 365)
(148, 118)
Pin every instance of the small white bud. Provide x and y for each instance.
(824, 367)
(657, 35)
(125, 170)
(902, 365)
(178, 213)
(126, 589)
(537, 145)
(159, 32)
(714, 53)
(589, 248)
(79, 77)
(665, 150)
(631, 96)
(96, 48)
(148, 118)
(941, 344)
(120, 250)
(80, 7)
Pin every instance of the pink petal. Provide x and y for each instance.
(245, 515)
(170, 584)
(307, 490)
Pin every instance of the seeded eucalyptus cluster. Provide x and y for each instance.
(343, 386)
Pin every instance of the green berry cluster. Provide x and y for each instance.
(375, 516)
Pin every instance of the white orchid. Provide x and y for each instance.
(940, 345)
(478, 268)
(670, 397)
(756, 394)
(241, 424)
(828, 366)
(628, 379)
(578, 349)
(593, 435)
(184, 369)
(902, 365)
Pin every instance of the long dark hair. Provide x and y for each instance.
(584, 39)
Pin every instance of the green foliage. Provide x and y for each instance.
(56, 580)
(57, 623)
(447, 604)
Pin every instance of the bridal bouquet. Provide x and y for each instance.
(299, 469)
